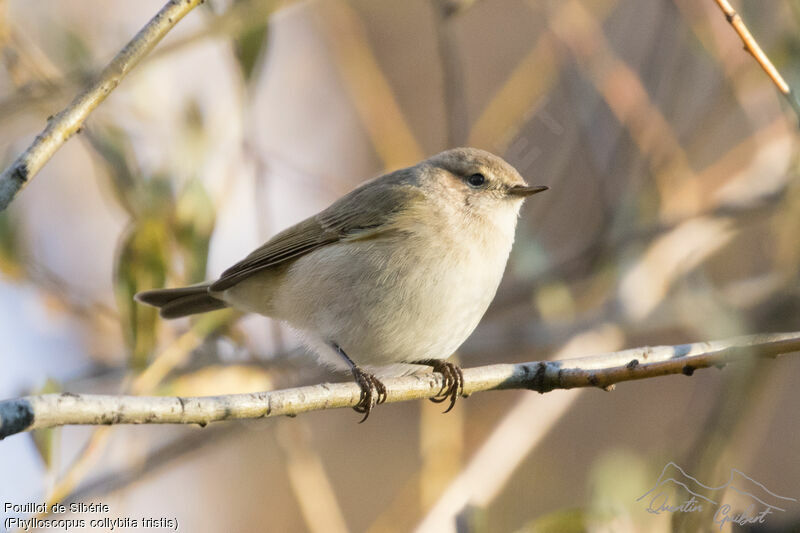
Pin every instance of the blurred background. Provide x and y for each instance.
(673, 217)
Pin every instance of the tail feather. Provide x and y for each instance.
(182, 301)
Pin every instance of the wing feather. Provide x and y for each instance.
(365, 212)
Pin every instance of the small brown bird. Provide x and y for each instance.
(399, 270)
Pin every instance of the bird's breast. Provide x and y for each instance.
(399, 297)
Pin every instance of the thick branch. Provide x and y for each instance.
(603, 371)
(63, 125)
(751, 45)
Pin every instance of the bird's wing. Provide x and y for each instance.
(363, 213)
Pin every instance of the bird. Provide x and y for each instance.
(399, 270)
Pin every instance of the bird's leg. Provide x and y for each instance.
(453, 385)
(372, 390)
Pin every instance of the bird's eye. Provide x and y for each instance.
(476, 180)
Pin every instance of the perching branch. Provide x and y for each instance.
(751, 45)
(603, 371)
(63, 125)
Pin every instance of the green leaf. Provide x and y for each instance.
(248, 45)
(561, 521)
(10, 246)
(77, 50)
(141, 264)
(195, 217)
(113, 145)
(139, 195)
(156, 197)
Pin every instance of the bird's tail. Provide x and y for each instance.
(183, 301)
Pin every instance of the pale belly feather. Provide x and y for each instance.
(393, 309)
(380, 300)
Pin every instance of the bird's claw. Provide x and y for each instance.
(373, 392)
(453, 385)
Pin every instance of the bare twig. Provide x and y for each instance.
(455, 102)
(603, 371)
(63, 125)
(310, 483)
(370, 92)
(629, 100)
(751, 45)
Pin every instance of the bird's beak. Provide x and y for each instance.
(523, 191)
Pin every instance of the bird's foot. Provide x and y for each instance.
(373, 392)
(453, 385)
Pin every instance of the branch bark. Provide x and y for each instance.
(603, 371)
(63, 125)
(752, 46)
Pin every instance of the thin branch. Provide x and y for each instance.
(312, 488)
(751, 45)
(63, 125)
(452, 8)
(603, 371)
(370, 93)
(455, 103)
